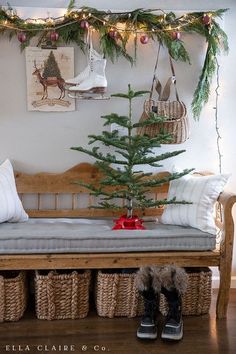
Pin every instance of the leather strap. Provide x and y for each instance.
(173, 74)
(165, 94)
(154, 73)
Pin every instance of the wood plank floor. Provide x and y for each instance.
(202, 335)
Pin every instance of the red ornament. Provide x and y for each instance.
(54, 36)
(84, 24)
(176, 35)
(113, 34)
(22, 37)
(206, 19)
(124, 223)
(144, 39)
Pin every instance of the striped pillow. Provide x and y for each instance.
(11, 208)
(202, 192)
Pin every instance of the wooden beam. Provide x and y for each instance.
(109, 260)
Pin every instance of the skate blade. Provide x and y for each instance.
(83, 97)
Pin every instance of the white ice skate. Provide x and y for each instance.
(96, 83)
(93, 56)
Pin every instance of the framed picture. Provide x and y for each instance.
(47, 70)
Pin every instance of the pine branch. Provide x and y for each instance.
(202, 92)
(160, 181)
(151, 160)
(109, 139)
(131, 94)
(106, 205)
(98, 155)
(123, 121)
(159, 203)
(112, 49)
(153, 118)
(71, 5)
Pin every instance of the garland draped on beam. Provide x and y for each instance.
(115, 29)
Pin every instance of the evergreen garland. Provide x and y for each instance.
(129, 151)
(157, 26)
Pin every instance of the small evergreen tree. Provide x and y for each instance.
(51, 68)
(133, 150)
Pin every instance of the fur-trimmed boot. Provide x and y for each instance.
(174, 285)
(149, 286)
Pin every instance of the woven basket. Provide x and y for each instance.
(61, 296)
(13, 295)
(197, 299)
(116, 295)
(176, 122)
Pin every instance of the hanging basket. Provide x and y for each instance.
(176, 122)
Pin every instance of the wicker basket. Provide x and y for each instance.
(176, 122)
(61, 296)
(197, 299)
(13, 295)
(116, 295)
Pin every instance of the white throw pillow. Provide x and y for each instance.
(202, 192)
(11, 208)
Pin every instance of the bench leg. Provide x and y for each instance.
(223, 293)
(226, 251)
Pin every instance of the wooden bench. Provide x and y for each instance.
(57, 185)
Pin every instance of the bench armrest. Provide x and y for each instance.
(227, 200)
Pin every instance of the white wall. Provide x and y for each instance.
(37, 141)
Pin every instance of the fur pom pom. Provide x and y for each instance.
(143, 279)
(173, 277)
(156, 278)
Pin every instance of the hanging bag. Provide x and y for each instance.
(176, 122)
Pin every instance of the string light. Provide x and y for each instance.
(218, 136)
(59, 22)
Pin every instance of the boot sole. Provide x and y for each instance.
(172, 338)
(146, 336)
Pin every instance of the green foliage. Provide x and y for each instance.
(128, 151)
(71, 5)
(158, 25)
(217, 40)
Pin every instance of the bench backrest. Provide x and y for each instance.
(58, 195)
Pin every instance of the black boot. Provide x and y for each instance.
(174, 284)
(149, 286)
(173, 327)
(148, 327)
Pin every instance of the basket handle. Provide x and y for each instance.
(2, 299)
(50, 296)
(74, 298)
(163, 96)
(114, 296)
(174, 76)
(154, 73)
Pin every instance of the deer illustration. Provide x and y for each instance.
(50, 81)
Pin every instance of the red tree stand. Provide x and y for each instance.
(125, 223)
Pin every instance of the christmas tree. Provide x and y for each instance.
(130, 151)
(51, 68)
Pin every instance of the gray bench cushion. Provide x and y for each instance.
(86, 236)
